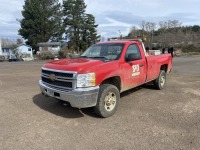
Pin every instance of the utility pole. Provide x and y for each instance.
(120, 35)
(0, 48)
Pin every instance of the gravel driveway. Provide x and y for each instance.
(146, 119)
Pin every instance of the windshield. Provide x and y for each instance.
(104, 51)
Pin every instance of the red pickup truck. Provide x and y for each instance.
(102, 72)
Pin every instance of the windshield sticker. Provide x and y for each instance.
(136, 70)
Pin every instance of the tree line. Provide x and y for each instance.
(48, 20)
(167, 34)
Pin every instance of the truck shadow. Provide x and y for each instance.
(60, 108)
(64, 110)
(131, 91)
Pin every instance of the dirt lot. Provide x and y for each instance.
(146, 119)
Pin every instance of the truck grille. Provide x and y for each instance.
(60, 80)
(67, 75)
(57, 83)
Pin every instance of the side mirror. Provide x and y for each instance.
(132, 57)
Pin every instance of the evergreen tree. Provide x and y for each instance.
(80, 27)
(196, 28)
(89, 32)
(73, 11)
(41, 21)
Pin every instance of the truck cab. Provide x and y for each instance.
(101, 73)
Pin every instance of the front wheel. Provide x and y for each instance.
(160, 82)
(108, 100)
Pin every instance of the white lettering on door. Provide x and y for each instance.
(136, 70)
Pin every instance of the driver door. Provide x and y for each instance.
(133, 70)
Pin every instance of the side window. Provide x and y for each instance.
(133, 49)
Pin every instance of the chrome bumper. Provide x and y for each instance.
(79, 97)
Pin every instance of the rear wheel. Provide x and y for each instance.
(160, 82)
(108, 100)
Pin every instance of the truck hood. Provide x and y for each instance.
(79, 65)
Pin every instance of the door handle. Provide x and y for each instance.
(141, 65)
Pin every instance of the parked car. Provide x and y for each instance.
(12, 57)
(2, 58)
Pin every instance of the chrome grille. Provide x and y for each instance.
(67, 75)
(66, 80)
(57, 83)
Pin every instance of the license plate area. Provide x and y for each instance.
(52, 93)
(56, 94)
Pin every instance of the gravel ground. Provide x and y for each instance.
(146, 119)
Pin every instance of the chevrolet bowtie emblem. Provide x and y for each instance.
(52, 77)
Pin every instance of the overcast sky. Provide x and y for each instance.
(113, 16)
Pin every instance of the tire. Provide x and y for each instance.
(108, 100)
(160, 82)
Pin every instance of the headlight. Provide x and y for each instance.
(86, 80)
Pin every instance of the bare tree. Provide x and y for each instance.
(19, 41)
(134, 33)
(151, 26)
(169, 32)
(148, 29)
(142, 26)
(163, 26)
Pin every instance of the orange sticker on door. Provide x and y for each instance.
(136, 70)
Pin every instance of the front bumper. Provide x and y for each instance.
(79, 97)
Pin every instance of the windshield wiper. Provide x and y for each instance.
(97, 57)
(83, 56)
(100, 57)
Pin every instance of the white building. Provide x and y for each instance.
(25, 52)
(7, 51)
(53, 47)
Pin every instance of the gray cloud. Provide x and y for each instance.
(113, 15)
(184, 17)
(110, 22)
(121, 15)
(113, 31)
(9, 12)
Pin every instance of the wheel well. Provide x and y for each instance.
(164, 67)
(116, 81)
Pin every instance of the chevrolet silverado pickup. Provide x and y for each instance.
(101, 73)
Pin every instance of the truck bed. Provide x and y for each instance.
(155, 62)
